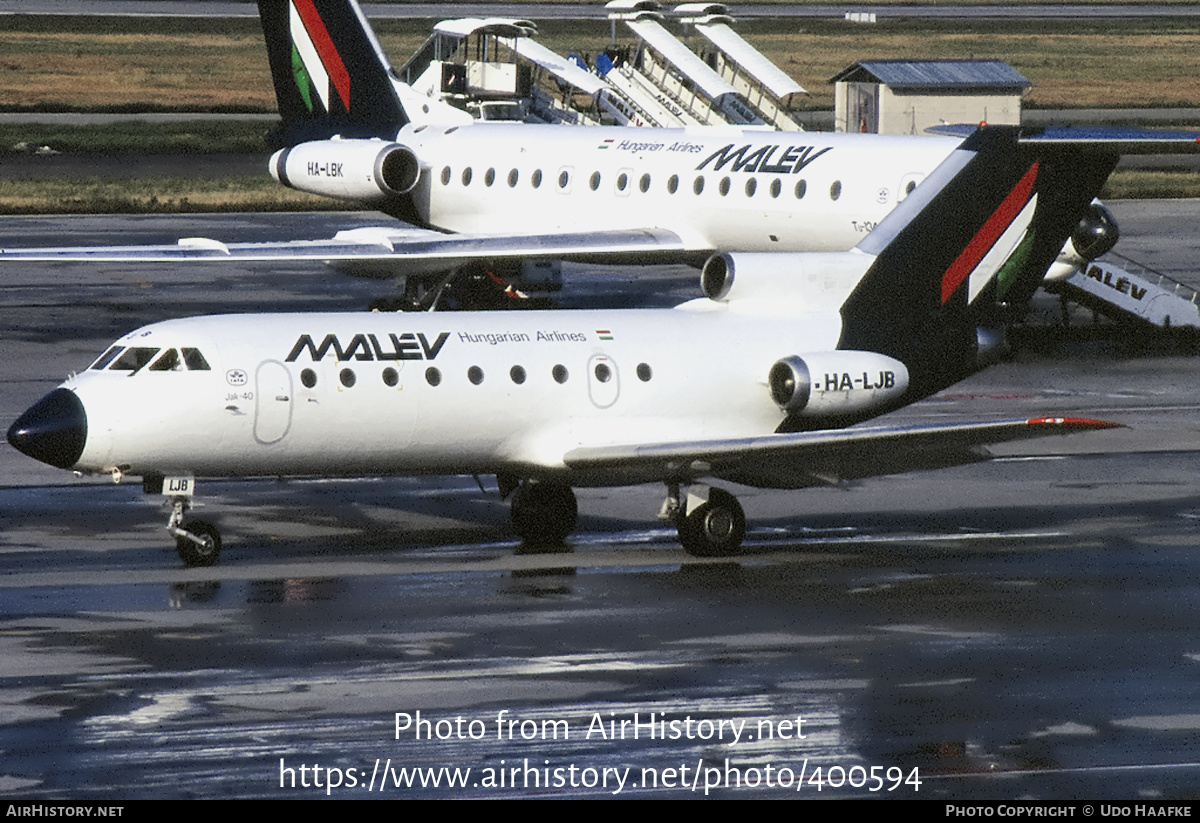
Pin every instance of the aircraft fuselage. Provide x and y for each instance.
(716, 188)
(355, 394)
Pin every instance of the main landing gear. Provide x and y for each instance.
(473, 286)
(543, 512)
(710, 521)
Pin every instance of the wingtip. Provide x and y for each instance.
(1074, 423)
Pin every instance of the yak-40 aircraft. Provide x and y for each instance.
(760, 382)
(513, 198)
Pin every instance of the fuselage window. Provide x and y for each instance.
(912, 184)
(517, 374)
(513, 177)
(390, 377)
(308, 378)
(134, 358)
(433, 376)
(594, 182)
(168, 362)
(489, 177)
(644, 183)
(603, 372)
(347, 377)
(776, 187)
(466, 176)
(801, 189)
(107, 357)
(560, 374)
(622, 181)
(194, 360)
(446, 176)
(751, 187)
(698, 185)
(643, 372)
(723, 188)
(835, 191)
(475, 375)
(564, 179)
(535, 179)
(673, 184)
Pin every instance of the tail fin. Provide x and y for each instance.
(969, 246)
(330, 73)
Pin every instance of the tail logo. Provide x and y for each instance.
(316, 63)
(995, 241)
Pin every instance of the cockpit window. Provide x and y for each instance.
(134, 359)
(107, 358)
(195, 360)
(168, 362)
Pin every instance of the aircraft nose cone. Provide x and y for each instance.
(53, 430)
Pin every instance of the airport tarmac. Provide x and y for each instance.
(1024, 628)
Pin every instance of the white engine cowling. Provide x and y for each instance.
(836, 383)
(1095, 236)
(812, 279)
(348, 169)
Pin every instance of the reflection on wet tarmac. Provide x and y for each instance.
(1049, 653)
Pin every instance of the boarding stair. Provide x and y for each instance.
(656, 108)
(1126, 291)
(682, 77)
(761, 84)
(494, 68)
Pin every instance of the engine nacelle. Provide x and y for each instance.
(815, 279)
(348, 169)
(836, 383)
(1095, 235)
(1097, 232)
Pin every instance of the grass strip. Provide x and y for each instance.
(202, 64)
(136, 138)
(1146, 184)
(159, 195)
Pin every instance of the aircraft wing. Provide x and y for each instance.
(819, 458)
(383, 251)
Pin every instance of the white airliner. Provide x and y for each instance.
(498, 195)
(759, 383)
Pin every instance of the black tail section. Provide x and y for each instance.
(330, 74)
(963, 254)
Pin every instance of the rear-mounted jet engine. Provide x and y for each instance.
(836, 383)
(348, 169)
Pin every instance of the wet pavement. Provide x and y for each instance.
(1024, 628)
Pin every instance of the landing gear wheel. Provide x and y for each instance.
(203, 553)
(714, 528)
(544, 513)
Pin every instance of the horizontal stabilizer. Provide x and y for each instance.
(1119, 140)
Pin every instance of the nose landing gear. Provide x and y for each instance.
(198, 542)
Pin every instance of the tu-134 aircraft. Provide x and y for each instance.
(761, 382)
(506, 196)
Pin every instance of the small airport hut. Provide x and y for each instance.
(909, 96)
